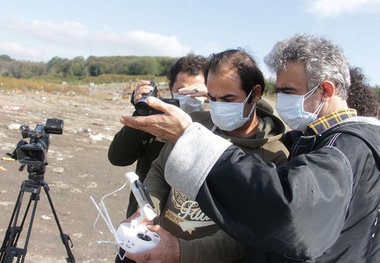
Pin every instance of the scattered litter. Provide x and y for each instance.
(14, 126)
(92, 185)
(61, 185)
(86, 130)
(45, 217)
(2, 169)
(58, 170)
(97, 124)
(13, 107)
(71, 93)
(78, 235)
(96, 137)
(9, 159)
(76, 191)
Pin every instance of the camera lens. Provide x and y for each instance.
(142, 107)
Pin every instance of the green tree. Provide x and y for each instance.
(377, 92)
(78, 67)
(5, 58)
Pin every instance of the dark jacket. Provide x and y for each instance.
(130, 145)
(333, 217)
(200, 239)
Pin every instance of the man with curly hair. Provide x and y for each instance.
(360, 95)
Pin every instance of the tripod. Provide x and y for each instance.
(9, 249)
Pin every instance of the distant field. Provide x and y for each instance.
(77, 86)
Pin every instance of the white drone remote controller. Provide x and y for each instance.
(132, 237)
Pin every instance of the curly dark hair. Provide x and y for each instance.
(248, 71)
(190, 64)
(360, 95)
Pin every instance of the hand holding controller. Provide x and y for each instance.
(135, 237)
(132, 237)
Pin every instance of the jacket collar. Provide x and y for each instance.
(325, 122)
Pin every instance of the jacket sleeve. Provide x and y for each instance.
(155, 181)
(127, 146)
(219, 247)
(296, 210)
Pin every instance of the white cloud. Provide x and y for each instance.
(15, 50)
(340, 7)
(71, 38)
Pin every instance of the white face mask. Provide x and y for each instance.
(290, 109)
(189, 104)
(228, 116)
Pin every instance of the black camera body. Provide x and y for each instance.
(142, 107)
(34, 152)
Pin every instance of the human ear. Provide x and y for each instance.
(256, 93)
(328, 89)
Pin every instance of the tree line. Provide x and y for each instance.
(80, 67)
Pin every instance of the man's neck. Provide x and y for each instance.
(247, 130)
(334, 104)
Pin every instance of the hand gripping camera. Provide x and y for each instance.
(132, 237)
(142, 107)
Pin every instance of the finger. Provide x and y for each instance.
(144, 89)
(160, 105)
(144, 123)
(143, 83)
(187, 90)
(140, 91)
(195, 90)
(155, 228)
(139, 257)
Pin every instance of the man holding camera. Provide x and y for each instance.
(186, 83)
(235, 85)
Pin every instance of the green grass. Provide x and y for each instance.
(9, 83)
(56, 84)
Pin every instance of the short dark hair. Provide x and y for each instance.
(249, 73)
(360, 95)
(190, 64)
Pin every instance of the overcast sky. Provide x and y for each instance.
(41, 29)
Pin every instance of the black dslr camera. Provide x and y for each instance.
(142, 107)
(34, 152)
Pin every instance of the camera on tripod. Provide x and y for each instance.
(142, 107)
(34, 152)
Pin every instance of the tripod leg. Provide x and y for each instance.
(64, 237)
(11, 231)
(9, 249)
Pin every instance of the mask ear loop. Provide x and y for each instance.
(310, 92)
(246, 99)
(253, 106)
(316, 112)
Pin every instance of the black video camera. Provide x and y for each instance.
(142, 107)
(34, 152)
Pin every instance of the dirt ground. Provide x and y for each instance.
(78, 168)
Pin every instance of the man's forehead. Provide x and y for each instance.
(224, 74)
